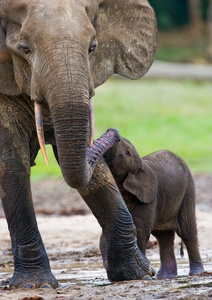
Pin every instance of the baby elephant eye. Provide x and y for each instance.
(127, 152)
(25, 48)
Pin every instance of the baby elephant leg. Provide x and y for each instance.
(168, 268)
(188, 233)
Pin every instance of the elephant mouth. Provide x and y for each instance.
(40, 131)
(106, 158)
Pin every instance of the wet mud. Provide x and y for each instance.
(72, 247)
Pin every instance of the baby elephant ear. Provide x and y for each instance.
(8, 85)
(142, 184)
(127, 35)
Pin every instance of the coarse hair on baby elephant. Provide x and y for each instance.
(159, 192)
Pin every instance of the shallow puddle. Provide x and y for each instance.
(79, 273)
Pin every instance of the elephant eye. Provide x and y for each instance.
(127, 152)
(92, 46)
(25, 48)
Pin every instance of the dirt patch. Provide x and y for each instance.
(72, 246)
(54, 197)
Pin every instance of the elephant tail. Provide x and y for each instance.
(181, 249)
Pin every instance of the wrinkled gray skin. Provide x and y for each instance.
(160, 195)
(48, 56)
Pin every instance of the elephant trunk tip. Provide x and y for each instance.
(113, 133)
(81, 178)
(76, 182)
(101, 145)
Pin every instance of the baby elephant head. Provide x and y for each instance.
(123, 159)
(131, 171)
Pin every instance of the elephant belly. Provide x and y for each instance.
(165, 225)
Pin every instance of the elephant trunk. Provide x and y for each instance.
(77, 159)
(71, 133)
(68, 94)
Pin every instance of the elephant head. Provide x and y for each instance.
(131, 171)
(58, 51)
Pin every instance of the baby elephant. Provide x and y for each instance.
(160, 195)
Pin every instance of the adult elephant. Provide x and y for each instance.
(48, 60)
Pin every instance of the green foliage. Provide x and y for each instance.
(170, 14)
(175, 13)
(153, 115)
(204, 7)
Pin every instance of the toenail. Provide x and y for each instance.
(29, 286)
(146, 277)
(46, 286)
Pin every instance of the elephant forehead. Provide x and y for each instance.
(58, 18)
(17, 11)
(68, 9)
(47, 10)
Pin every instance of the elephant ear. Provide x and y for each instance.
(8, 85)
(127, 36)
(143, 184)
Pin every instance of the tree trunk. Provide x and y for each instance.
(194, 12)
(196, 22)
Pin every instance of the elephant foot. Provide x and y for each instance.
(33, 279)
(196, 269)
(168, 271)
(132, 265)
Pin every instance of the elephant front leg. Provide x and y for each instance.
(31, 264)
(124, 259)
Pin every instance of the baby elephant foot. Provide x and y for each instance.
(168, 271)
(166, 275)
(196, 269)
(132, 265)
(33, 279)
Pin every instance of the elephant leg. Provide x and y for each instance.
(142, 239)
(143, 217)
(195, 262)
(168, 268)
(103, 250)
(188, 232)
(125, 260)
(31, 264)
(143, 234)
(103, 247)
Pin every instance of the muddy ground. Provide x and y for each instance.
(71, 235)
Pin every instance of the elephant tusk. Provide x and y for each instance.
(39, 128)
(91, 120)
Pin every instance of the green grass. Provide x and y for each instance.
(182, 53)
(153, 115)
(41, 170)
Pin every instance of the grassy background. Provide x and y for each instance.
(153, 115)
(180, 53)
